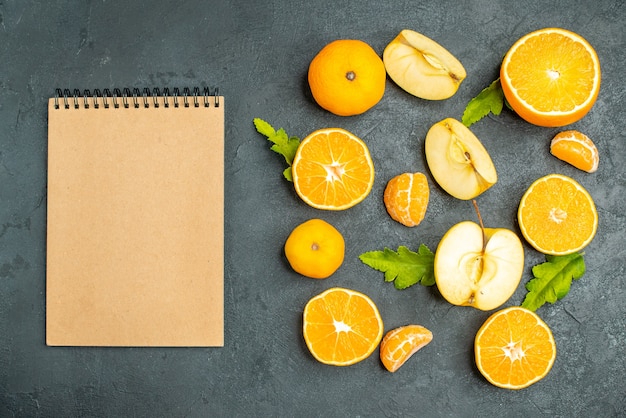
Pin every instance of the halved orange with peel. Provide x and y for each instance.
(514, 348)
(551, 77)
(332, 169)
(341, 326)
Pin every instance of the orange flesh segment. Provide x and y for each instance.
(400, 344)
(577, 149)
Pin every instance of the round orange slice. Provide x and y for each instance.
(341, 327)
(557, 215)
(514, 348)
(551, 77)
(332, 169)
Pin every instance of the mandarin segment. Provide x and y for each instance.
(514, 348)
(551, 77)
(347, 77)
(557, 215)
(341, 326)
(406, 198)
(332, 169)
(401, 343)
(577, 149)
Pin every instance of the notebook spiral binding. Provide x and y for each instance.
(136, 97)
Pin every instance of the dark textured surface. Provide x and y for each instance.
(258, 55)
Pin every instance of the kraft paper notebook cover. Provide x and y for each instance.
(135, 218)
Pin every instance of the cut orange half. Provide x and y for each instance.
(514, 348)
(551, 77)
(557, 215)
(341, 326)
(332, 169)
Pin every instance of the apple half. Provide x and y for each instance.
(477, 269)
(422, 67)
(458, 161)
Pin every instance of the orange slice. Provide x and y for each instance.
(341, 326)
(577, 149)
(557, 215)
(401, 343)
(332, 169)
(514, 348)
(406, 198)
(551, 77)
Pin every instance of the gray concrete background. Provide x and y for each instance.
(258, 54)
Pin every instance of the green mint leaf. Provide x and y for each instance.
(281, 143)
(490, 99)
(284, 145)
(287, 174)
(552, 279)
(404, 267)
(263, 127)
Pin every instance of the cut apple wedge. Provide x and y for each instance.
(422, 67)
(478, 269)
(458, 160)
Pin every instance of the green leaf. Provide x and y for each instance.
(404, 267)
(263, 127)
(281, 143)
(287, 174)
(490, 99)
(552, 279)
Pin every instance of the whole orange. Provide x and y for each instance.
(315, 249)
(347, 77)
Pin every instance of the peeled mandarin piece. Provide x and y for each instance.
(406, 198)
(401, 343)
(577, 149)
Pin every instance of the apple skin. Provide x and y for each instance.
(470, 273)
(458, 160)
(422, 67)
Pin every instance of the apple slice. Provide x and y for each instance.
(478, 269)
(458, 161)
(422, 67)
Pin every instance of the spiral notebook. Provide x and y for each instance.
(135, 218)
